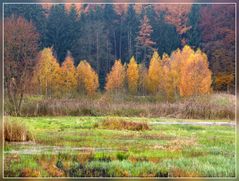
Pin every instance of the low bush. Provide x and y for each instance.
(102, 157)
(119, 124)
(16, 131)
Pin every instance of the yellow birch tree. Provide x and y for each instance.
(195, 75)
(68, 81)
(45, 72)
(155, 74)
(132, 76)
(168, 79)
(116, 78)
(87, 78)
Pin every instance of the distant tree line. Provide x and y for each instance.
(184, 73)
(102, 34)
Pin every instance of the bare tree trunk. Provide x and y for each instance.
(115, 44)
(10, 96)
(107, 44)
(120, 39)
(129, 44)
(15, 95)
(20, 103)
(97, 52)
(136, 53)
(144, 55)
(46, 89)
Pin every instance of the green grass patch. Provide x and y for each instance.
(75, 147)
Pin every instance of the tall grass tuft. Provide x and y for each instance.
(119, 124)
(16, 131)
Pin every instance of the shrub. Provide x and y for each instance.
(119, 124)
(122, 156)
(16, 131)
(102, 157)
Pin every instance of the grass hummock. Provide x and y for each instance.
(119, 124)
(16, 131)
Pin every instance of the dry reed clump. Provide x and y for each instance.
(120, 124)
(28, 172)
(84, 157)
(177, 172)
(176, 145)
(16, 131)
(51, 168)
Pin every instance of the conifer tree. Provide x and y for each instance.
(58, 34)
(144, 44)
(132, 26)
(193, 35)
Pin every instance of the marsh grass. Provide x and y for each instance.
(119, 124)
(215, 106)
(16, 131)
(161, 151)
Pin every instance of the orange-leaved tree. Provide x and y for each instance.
(195, 75)
(87, 78)
(67, 80)
(169, 79)
(132, 76)
(155, 74)
(224, 80)
(46, 72)
(116, 78)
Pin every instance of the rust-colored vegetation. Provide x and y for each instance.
(119, 124)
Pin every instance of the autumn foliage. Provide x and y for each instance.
(46, 70)
(116, 78)
(52, 79)
(68, 80)
(184, 73)
(155, 74)
(224, 80)
(132, 76)
(20, 48)
(195, 75)
(169, 79)
(87, 78)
